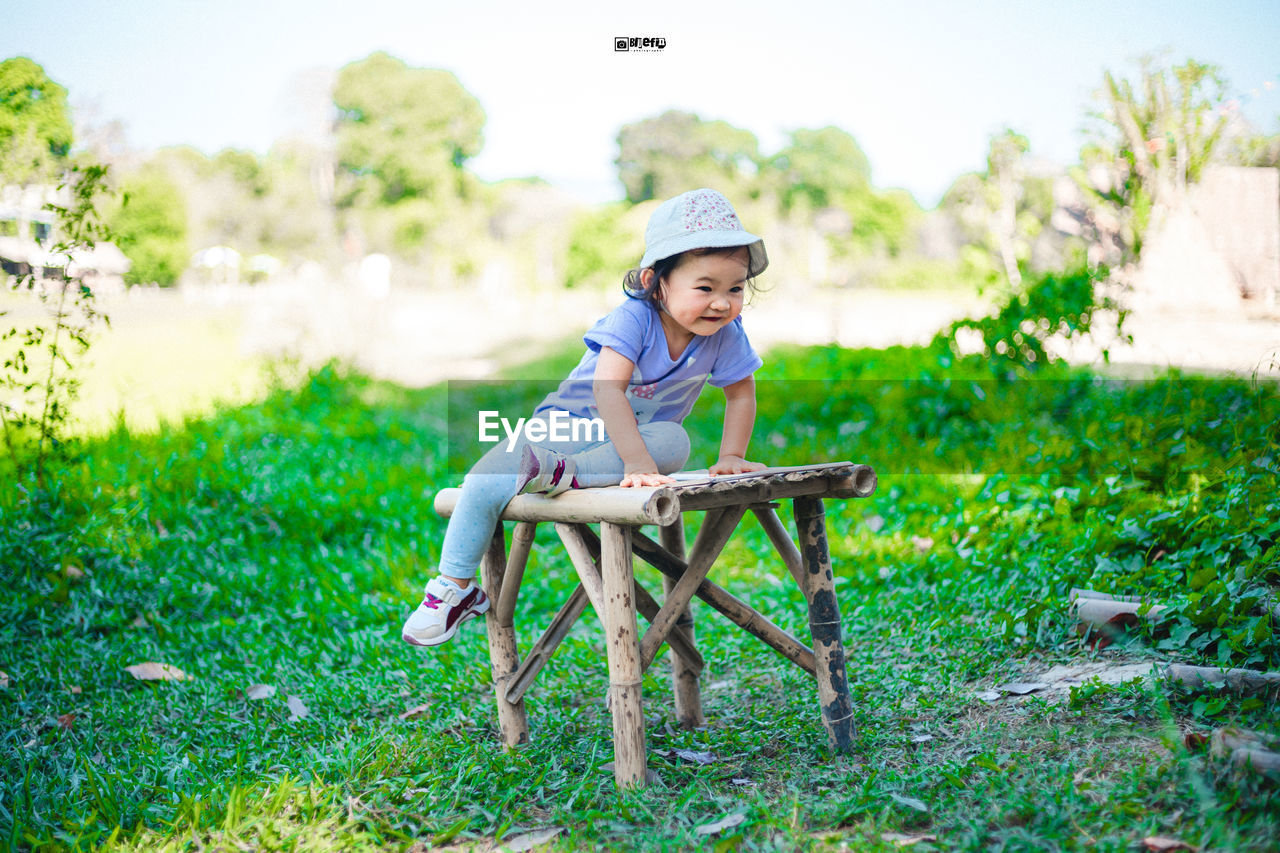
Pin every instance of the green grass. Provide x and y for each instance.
(282, 543)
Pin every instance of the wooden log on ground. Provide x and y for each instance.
(824, 623)
(684, 669)
(654, 505)
(546, 644)
(1101, 610)
(623, 642)
(1239, 680)
(729, 606)
(504, 656)
(1246, 748)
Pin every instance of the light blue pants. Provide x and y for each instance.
(491, 484)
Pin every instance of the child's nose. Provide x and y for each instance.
(720, 302)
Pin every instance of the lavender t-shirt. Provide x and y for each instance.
(661, 389)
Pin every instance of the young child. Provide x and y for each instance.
(645, 364)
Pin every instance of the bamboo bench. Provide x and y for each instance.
(604, 567)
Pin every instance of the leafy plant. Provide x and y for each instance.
(39, 375)
(1017, 336)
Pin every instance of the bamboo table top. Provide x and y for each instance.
(692, 491)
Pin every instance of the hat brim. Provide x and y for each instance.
(759, 259)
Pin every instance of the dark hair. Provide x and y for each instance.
(634, 287)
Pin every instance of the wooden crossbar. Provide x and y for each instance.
(730, 606)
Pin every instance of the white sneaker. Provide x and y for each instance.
(546, 471)
(445, 607)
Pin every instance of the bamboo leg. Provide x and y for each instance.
(584, 552)
(624, 656)
(824, 623)
(547, 643)
(504, 656)
(735, 610)
(684, 677)
(715, 532)
(521, 543)
(777, 533)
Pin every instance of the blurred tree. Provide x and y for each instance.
(826, 168)
(823, 167)
(403, 135)
(35, 123)
(150, 227)
(677, 151)
(603, 244)
(1001, 211)
(1153, 140)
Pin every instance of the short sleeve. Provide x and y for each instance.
(622, 329)
(736, 358)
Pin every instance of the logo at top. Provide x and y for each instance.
(635, 43)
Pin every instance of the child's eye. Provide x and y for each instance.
(705, 288)
(735, 289)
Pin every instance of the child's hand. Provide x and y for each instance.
(645, 478)
(734, 465)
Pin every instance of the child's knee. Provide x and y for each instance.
(668, 444)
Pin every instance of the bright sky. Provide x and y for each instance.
(921, 85)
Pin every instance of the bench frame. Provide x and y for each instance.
(604, 565)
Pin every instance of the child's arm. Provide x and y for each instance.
(739, 420)
(613, 371)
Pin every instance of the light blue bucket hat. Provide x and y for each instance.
(699, 219)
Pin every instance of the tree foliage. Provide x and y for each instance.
(666, 155)
(824, 168)
(150, 227)
(403, 133)
(1003, 210)
(1155, 137)
(35, 123)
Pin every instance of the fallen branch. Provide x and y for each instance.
(1239, 680)
(1246, 748)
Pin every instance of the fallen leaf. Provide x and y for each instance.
(1195, 741)
(161, 530)
(72, 571)
(909, 802)
(152, 671)
(921, 738)
(907, 840)
(1161, 843)
(74, 689)
(530, 840)
(259, 691)
(715, 828)
(65, 721)
(140, 622)
(414, 711)
(4, 680)
(990, 696)
(1022, 688)
(297, 710)
(695, 757)
(747, 783)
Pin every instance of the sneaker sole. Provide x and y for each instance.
(447, 635)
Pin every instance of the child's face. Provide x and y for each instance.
(704, 293)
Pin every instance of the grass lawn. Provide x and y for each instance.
(282, 542)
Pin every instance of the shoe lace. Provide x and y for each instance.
(432, 602)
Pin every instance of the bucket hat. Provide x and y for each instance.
(699, 219)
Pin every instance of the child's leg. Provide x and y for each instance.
(600, 465)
